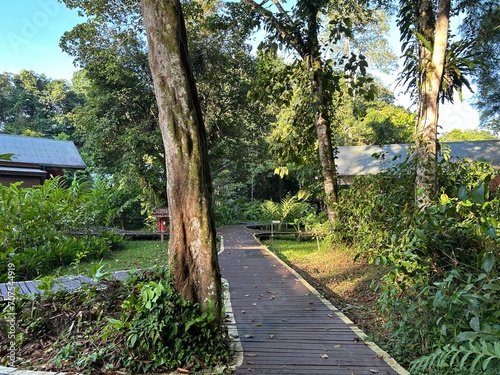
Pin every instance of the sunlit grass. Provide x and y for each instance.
(134, 255)
(332, 267)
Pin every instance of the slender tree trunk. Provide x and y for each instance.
(323, 131)
(192, 248)
(309, 51)
(436, 32)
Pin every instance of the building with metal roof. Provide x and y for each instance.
(36, 159)
(364, 160)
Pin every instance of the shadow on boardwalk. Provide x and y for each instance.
(283, 324)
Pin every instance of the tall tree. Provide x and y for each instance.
(424, 34)
(192, 249)
(433, 43)
(119, 118)
(298, 29)
(482, 27)
(32, 104)
(436, 67)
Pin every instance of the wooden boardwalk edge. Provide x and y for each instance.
(373, 346)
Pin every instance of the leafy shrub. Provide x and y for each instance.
(440, 294)
(160, 329)
(443, 286)
(374, 208)
(44, 227)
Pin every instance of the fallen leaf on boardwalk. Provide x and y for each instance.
(353, 373)
(330, 315)
(250, 363)
(270, 291)
(243, 312)
(254, 304)
(249, 336)
(251, 355)
(373, 371)
(324, 356)
(247, 295)
(337, 346)
(271, 336)
(258, 324)
(272, 297)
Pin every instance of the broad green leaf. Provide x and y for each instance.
(488, 262)
(462, 193)
(475, 324)
(466, 336)
(477, 195)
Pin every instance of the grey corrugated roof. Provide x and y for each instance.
(42, 151)
(358, 160)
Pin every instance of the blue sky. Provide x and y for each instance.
(29, 39)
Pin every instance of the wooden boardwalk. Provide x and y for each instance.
(68, 283)
(283, 325)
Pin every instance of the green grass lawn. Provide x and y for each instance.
(134, 255)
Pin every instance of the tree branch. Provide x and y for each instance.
(287, 32)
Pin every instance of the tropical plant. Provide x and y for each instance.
(49, 225)
(290, 210)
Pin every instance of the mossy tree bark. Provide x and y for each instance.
(434, 29)
(192, 247)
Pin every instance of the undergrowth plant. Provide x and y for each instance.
(440, 295)
(46, 226)
(140, 325)
(290, 210)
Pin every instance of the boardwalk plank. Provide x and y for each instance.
(4, 292)
(32, 287)
(22, 286)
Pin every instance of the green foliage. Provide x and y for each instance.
(476, 357)
(441, 291)
(289, 210)
(161, 329)
(47, 226)
(374, 208)
(456, 135)
(481, 26)
(236, 210)
(32, 104)
(140, 325)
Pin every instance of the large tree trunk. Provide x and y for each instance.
(192, 248)
(426, 180)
